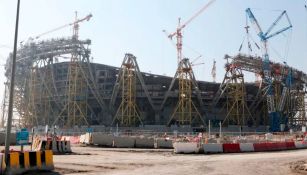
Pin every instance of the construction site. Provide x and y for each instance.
(62, 94)
(80, 92)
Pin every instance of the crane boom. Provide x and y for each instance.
(178, 32)
(197, 14)
(181, 26)
(254, 22)
(87, 18)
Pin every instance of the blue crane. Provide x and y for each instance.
(268, 79)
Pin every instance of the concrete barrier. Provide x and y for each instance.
(56, 146)
(300, 144)
(102, 139)
(87, 139)
(59, 146)
(246, 147)
(21, 162)
(82, 138)
(144, 143)
(163, 143)
(124, 142)
(213, 148)
(68, 147)
(186, 147)
(47, 160)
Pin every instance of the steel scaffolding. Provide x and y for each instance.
(185, 111)
(238, 112)
(128, 113)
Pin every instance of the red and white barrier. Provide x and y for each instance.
(191, 147)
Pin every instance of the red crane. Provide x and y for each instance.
(178, 32)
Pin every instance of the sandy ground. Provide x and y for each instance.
(94, 160)
(152, 162)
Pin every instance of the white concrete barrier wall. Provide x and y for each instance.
(213, 148)
(186, 147)
(87, 138)
(247, 147)
(144, 143)
(82, 138)
(124, 142)
(102, 139)
(162, 143)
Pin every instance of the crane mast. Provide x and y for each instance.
(185, 111)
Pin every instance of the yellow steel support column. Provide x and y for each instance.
(128, 113)
(185, 111)
(237, 111)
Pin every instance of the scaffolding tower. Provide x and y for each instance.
(128, 113)
(237, 110)
(185, 111)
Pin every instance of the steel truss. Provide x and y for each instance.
(128, 113)
(185, 112)
(38, 100)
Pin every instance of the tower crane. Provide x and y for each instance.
(185, 111)
(268, 79)
(75, 25)
(180, 27)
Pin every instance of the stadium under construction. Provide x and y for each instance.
(84, 93)
(53, 91)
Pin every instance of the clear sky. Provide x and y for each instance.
(135, 26)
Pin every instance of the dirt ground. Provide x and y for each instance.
(95, 160)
